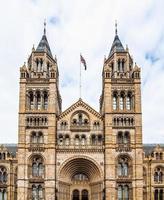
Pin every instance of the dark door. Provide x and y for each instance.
(76, 195)
(85, 195)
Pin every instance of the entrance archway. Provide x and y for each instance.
(80, 179)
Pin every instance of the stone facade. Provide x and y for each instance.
(79, 153)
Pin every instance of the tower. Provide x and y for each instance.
(120, 106)
(39, 106)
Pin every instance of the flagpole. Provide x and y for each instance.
(80, 79)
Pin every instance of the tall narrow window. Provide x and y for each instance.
(126, 192)
(114, 102)
(123, 65)
(119, 65)
(67, 140)
(45, 100)
(161, 194)
(31, 101)
(120, 193)
(129, 102)
(121, 102)
(38, 101)
(156, 194)
(120, 138)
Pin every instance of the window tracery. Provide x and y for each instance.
(37, 167)
(3, 175)
(158, 175)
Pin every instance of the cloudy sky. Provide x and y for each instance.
(85, 26)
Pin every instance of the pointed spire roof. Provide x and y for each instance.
(117, 45)
(43, 44)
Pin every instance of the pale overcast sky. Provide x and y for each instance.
(85, 26)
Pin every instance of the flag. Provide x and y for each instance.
(82, 60)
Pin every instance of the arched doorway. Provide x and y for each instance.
(76, 195)
(80, 179)
(85, 195)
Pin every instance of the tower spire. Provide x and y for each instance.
(115, 27)
(45, 26)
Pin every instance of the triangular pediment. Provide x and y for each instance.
(80, 104)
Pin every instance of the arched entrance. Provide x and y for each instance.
(80, 179)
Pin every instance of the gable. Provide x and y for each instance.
(89, 115)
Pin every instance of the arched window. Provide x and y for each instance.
(123, 167)
(126, 138)
(85, 195)
(67, 140)
(31, 100)
(120, 137)
(37, 192)
(121, 105)
(3, 175)
(37, 167)
(100, 139)
(114, 101)
(119, 65)
(123, 65)
(77, 140)
(129, 101)
(45, 100)
(37, 137)
(76, 195)
(33, 137)
(83, 139)
(38, 100)
(158, 175)
(60, 139)
(63, 125)
(96, 125)
(93, 139)
(40, 138)
(126, 192)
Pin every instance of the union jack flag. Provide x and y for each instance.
(82, 60)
